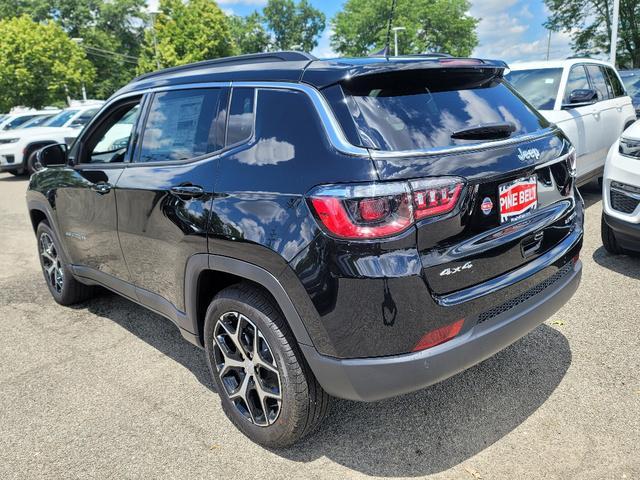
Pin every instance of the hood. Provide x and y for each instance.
(633, 132)
(36, 131)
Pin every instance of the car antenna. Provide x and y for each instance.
(386, 45)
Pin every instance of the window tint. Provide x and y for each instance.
(618, 89)
(181, 125)
(114, 136)
(18, 122)
(598, 81)
(241, 115)
(539, 86)
(82, 119)
(60, 119)
(632, 84)
(577, 80)
(417, 110)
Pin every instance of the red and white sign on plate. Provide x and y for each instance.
(518, 198)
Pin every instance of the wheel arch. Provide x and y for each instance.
(207, 274)
(37, 144)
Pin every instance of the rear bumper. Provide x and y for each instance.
(370, 379)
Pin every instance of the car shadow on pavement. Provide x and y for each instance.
(627, 265)
(14, 178)
(591, 193)
(417, 434)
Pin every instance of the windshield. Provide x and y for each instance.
(60, 119)
(538, 86)
(37, 121)
(422, 110)
(632, 83)
(17, 122)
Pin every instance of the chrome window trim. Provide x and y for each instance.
(331, 125)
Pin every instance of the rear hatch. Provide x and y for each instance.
(467, 125)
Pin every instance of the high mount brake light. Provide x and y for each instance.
(378, 210)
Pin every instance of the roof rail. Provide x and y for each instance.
(284, 56)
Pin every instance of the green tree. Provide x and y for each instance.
(294, 27)
(104, 26)
(186, 32)
(39, 64)
(248, 33)
(589, 22)
(431, 26)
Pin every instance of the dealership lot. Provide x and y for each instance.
(110, 390)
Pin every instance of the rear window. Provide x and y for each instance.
(538, 86)
(421, 110)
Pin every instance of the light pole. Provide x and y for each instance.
(84, 90)
(614, 32)
(395, 38)
(548, 45)
(154, 14)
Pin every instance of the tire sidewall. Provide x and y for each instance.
(59, 297)
(286, 421)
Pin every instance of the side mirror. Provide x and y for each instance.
(581, 97)
(55, 155)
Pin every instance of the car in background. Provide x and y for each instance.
(18, 147)
(621, 194)
(631, 80)
(17, 118)
(585, 98)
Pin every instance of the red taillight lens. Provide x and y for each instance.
(377, 210)
(439, 335)
(432, 198)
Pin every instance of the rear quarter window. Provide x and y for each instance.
(421, 110)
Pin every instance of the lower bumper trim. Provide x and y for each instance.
(370, 379)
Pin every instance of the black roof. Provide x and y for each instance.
(297, 67)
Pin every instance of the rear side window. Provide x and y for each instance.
(577, 80)
(599, 82)
(421, 110)
(241, 115)
(538, 86)
(181, 125)
(616, 84)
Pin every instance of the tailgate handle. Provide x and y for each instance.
(532, 244)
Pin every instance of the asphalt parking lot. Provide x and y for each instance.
(110, 390)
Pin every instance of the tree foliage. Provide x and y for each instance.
(114, 26)
(590, 21)
(186, 32)
(431, 26)
(39, 64)
(294, 26)
(249, 34)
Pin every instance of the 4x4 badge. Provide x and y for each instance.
(486, 206)
(451, 271)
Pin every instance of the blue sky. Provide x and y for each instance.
(509, 29)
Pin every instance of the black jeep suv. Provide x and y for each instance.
(358, 228)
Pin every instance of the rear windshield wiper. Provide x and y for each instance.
(485, 131)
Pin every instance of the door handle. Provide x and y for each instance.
(191, 191)
(101, 188)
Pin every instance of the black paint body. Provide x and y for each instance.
(355, 299)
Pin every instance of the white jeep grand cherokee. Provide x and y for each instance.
(18, 147)
(585, 98)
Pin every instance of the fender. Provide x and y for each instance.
(201, 262)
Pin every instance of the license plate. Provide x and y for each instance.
(518, 198)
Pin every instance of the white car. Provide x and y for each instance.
(18, 147)
(585, 98)
(19, 117)
(621, 194)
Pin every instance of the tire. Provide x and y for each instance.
(64, 288)
(233, 317)
(30, 167)
(609, 239)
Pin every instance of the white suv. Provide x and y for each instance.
(18, 147)
(621, 194)
(585, 98)
(20, 117)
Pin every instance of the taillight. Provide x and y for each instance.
(377, 210)
(439, 335)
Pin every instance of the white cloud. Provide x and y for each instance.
(506, 29)
(324, 50)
